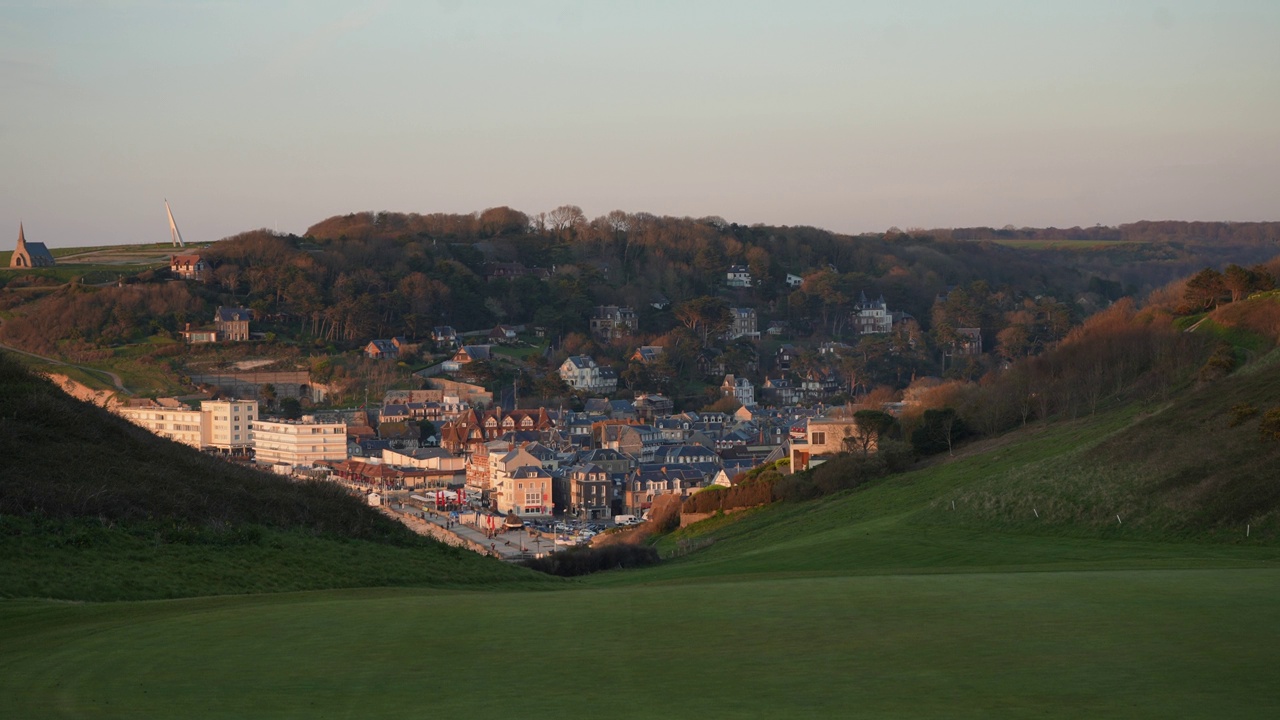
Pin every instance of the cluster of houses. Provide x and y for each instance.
(613, 457)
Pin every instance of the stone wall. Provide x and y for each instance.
(422, 527)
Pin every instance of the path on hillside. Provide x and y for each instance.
(115, 379)
(1197, 324)
(508, 545)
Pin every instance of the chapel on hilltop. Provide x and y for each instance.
(28, 255)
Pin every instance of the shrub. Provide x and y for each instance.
(664, 516)
(1241, 412)
(584, 560)
(749, 492)
(1269, 426)
(1219, 365)
(938, 432)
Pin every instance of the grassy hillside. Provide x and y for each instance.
(93, 507)
(1187, 481)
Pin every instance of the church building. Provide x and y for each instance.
(30, 254)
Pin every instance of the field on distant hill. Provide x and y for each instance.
(96, 265)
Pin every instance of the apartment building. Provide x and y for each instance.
(299, 442)
(167, 418)
(228, 423)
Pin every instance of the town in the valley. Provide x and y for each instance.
(516, 477)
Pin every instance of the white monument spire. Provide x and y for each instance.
(174, 235)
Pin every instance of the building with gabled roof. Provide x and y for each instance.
(471, 429)
(612, 321)
(872, 317)
(232, 323)
(384, 348)
(744, 324)
(188, 267)
(590, 492)
(504, 334)
(583, 374)
(648, 481)
(30, 254)
(527, 493)
(467, 354)
(444, 336)
(648, 354)
(648, 407)
(740, 389)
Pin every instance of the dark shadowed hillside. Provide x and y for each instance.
(65, 459)
(93, 507)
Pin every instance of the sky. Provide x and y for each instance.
(851, 116)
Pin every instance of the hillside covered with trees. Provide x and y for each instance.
(352, 278)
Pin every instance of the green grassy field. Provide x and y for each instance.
(882, 602)
(93, 379)
(1154, 643)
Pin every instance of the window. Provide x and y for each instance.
(819, 438)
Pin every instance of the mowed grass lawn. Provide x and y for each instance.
(879, 603)
(1156, 643)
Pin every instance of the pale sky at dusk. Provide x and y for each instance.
(853, 116)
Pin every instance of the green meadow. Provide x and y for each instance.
(1059, 644)
(881, 602)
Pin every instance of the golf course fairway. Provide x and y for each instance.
(1123, 643)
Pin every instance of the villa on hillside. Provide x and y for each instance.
(467, 354)
(385, 348)
(229, 325)
(583, 374)
(740, 389)
(611, 321)
(232, 323)
(188, 267)
(444, 336)
(743, 324)
(872, 316)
